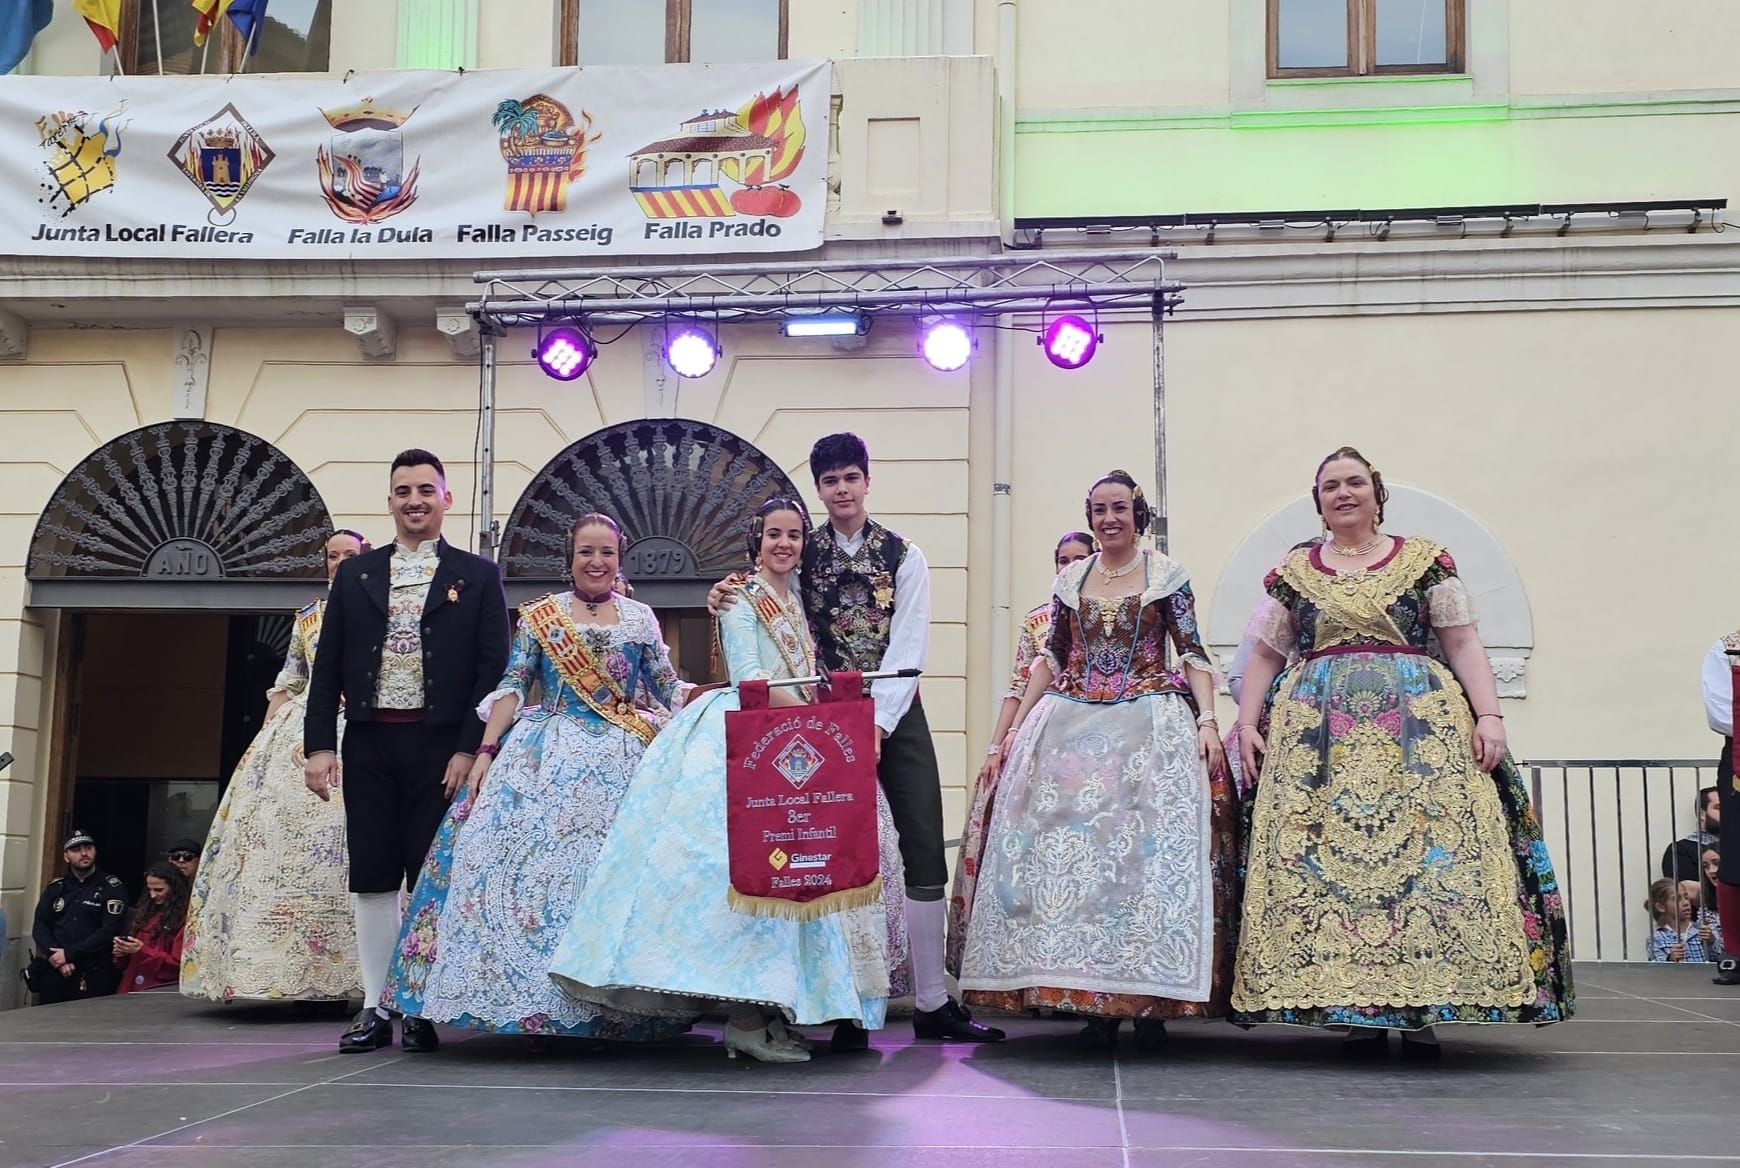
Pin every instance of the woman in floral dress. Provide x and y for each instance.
(1035, 629)
(1396, 875)
(654, 930)
(269, 916)
(518, 845)
(1108, 887)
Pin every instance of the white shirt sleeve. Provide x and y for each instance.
(1719, 690)
(908, 639)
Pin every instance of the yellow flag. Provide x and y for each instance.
(210, 12)
(104, 17)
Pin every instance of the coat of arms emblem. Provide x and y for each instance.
(544, 146)
(82, 148)
(222, 156)
(362, 166)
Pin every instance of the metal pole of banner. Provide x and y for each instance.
(253, 38)
(1162, 532)
(157, 31)
(817, 679)
(205, 55)
(486, 444)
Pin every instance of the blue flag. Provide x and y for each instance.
(20, 21)
(248, 16)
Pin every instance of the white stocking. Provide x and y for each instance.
(377, 932)
(926, 922)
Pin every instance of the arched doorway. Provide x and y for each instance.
(684, 492)
(174, 555)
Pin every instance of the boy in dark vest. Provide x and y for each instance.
(867, 593)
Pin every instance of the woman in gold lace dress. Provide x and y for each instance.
(1108, 885)
(1395, 873)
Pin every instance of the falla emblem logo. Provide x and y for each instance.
(82, 149)
(222, 156)
(362, 166)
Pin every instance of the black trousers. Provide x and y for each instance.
(908, 773)
(393, 799)
(94, 978)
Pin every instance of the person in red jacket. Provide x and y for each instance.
(149, 952)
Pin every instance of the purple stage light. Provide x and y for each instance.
(691, 352)
(565, 353)
(947, 345)
(1069, 342)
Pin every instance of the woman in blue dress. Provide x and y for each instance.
(519, 843)
(652, 931)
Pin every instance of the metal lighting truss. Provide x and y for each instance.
(1001, 285)
(1010, 283)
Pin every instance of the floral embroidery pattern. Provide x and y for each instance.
(269, 915)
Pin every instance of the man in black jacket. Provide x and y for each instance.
(78, 918)
(415, 636)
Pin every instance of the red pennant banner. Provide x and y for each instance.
(800, 794)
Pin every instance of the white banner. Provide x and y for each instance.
(668, 160)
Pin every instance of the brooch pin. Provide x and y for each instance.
(453, 593)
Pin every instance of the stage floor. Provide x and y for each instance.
(1647, 1073)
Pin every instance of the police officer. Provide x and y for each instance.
(77, 920)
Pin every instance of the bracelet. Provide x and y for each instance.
(1207, 718)
(1242, 726)
(489, 749)
(1478, 717)
(994, 748)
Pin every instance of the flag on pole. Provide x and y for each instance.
(209, 12)
(249, 17)
(19, 24)
(104, 17)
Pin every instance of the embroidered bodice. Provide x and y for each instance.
(1035, 629)
(764, 638)
(632, 651)
(1398, 601)
(299, 659)
(1107, 650)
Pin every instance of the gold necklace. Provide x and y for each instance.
(1358, 549)
(1110, 574)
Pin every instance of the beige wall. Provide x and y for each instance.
(1584, 440)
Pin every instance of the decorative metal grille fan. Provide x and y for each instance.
(183, 500)
(683, 491)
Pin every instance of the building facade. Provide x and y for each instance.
(1542, 386)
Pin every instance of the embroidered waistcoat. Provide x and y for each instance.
(850, 598)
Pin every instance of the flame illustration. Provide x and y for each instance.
(772, 115)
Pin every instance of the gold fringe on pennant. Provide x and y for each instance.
(809, 910)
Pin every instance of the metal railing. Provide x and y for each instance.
(1607, 822)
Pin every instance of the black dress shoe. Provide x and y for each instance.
(1099, 1033)
(1416, 1050)
(950, 1022)
(369, 1032)
(1150, 1035)
(1366, 1042)
(417, 1036)
(849, 1038)
(1727, 971)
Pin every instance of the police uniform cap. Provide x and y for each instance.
(79, 836)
